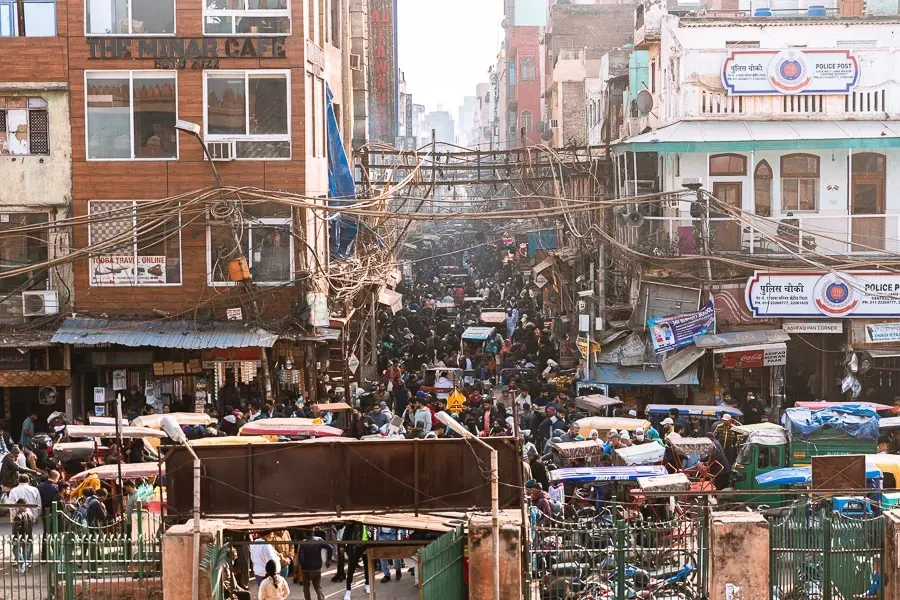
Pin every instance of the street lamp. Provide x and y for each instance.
(453, 424)
(193, 130)
(173, 429)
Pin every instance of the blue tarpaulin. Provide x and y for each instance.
(341, 187)
(621, 376)
(545, 239)
(860, 422)
(589, 474)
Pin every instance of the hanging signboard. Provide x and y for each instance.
(583, 347)
(813, 327)
(677, 331)
(123, 270)
(789, 71)
(382, 71)
(846, 294)
(882, 333)
(769, 356)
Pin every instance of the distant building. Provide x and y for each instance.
(441, 121)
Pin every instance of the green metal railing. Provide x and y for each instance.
(611, 556)
(441, 567)
(81, 563)
(816, 552)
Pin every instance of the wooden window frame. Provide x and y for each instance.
(728, 155)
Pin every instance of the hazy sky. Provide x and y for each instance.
(447, 47)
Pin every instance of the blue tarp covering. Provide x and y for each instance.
(341, 187)
(617, 375)
(589, 474)
(545, 239)
(803, 476)
(860, 422)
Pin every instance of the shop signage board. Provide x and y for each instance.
(789, 71)
(127, 269)
(813, 326)
(770, 356)
(882, 333)
(677, 331)
(845, 294)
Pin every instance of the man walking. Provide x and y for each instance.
(309, 559)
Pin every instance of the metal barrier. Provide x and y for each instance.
(608, 557)
(816, 552)
(71, 561)
(441, 566)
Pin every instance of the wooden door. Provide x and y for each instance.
(728, 233)
(867, 198)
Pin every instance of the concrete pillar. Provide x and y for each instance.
(891, 561)
(481, 557)
(739, 555)
(178, 558)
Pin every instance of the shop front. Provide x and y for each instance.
(34, 376)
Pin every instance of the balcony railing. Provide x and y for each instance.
(810, 233)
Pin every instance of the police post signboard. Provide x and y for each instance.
(845, 294)
(789, 71)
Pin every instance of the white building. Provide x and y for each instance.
(808, 127)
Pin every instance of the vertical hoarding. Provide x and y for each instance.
(382, 71)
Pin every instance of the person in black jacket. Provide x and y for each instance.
(309, 559)
(538, 470)
(9, 470)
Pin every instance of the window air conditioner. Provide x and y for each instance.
(356, 62)
(40, 304)
(221, 151)
(554, 124)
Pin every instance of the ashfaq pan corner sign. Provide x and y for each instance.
(789, 71)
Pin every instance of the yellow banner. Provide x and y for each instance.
(582, 347)
(455, 401)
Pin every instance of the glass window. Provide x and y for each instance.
(131, 115)
(528, 69)
(246, 17)
(24, 126)
(762, 185)
(512, 73)
(23, 248)
(251, 109)
(129, 17)
(40, 18)
(727, 165)
(267, 243)
(135, 244)
(799, 182)
(867, 163)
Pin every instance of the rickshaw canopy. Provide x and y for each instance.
(129, 471)
(155, 421)
(297, 428)
(694, 410)
(105, 431)
(231, 440)
(583, 449)
(604, 424)
(822, 404)
(889, 423)
(641, 454)
(493, 317)
(604, 474)
(690, 445)
(596, 402)
(886, 463)
(478, 334)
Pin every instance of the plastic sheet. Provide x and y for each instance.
(853, 419)
(341, 187)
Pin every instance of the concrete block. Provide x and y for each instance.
(739, 555)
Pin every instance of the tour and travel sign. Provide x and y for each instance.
(845, 294)
(789, 71)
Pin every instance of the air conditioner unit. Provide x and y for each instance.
(40, 304)
(554, 124)
(223, 151)
(356, 62)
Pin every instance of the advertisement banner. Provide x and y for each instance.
(677, 331)
(789, 71)
(882, 333)
(382, 71)
(761, 357)
(845, 294)
(122, 270)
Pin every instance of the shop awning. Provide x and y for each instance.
(740, 340)
(185, 335)
(885, 353)
(31, 339)
(750, 348)
(736, 136)
(616, 375)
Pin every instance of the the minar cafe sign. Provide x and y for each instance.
(186, 48)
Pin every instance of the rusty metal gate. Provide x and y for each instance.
(442, 568)
(817, 553)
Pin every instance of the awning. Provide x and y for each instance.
(738, 339)
(31, 339)
(616, 375)
(750, 348)
(439, 522)
(185, 335)
(885, 353)
(723, 136)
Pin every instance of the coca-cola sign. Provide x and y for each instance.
(770, 356)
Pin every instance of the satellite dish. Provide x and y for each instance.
(644, 102)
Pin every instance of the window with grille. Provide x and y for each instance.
(24, 126)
